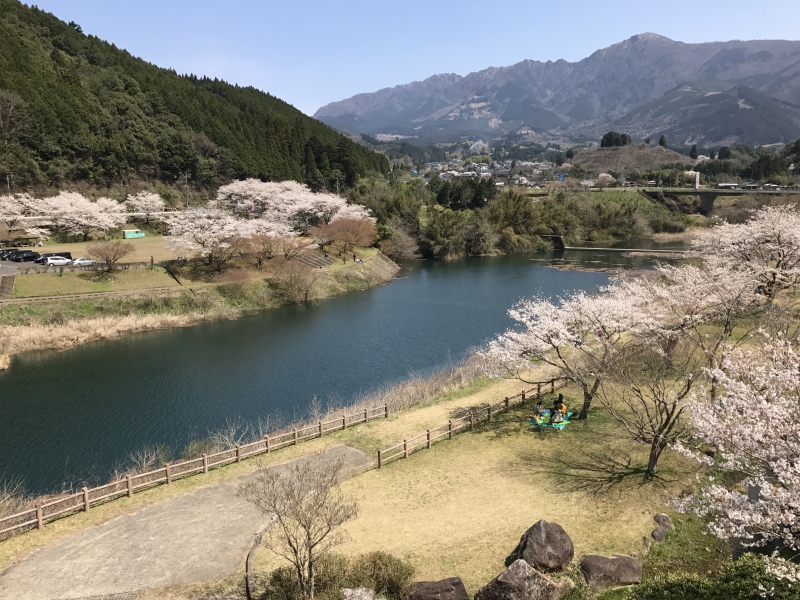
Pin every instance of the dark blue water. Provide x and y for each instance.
(69, 417)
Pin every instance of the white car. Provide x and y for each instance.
(57, 261)
(83, 262)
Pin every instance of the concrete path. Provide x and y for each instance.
(202, 535)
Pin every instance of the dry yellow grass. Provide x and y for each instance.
(14, 340)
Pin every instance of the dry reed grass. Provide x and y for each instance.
(14, 340)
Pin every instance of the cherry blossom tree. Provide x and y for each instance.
(755, 427)
(684, 301)
(768, 244)
(147, 203)
(286, 203)
(579, 338)
(646, 390)
(75, 214)
(211, 232)
(12, 211)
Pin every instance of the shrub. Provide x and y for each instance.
(108, 254)
(388, 575)
(662, 223)
(233, 283)
(745, 579)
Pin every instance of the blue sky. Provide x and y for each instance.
(312, 53)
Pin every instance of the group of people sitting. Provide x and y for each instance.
(558, 413)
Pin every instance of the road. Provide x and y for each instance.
(202, 535)
(9, 268)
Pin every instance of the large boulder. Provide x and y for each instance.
(522, 582)
(544, 545)
(358, 594)
(659, 534)
(446, 589)
(664, 521)
(601, 572)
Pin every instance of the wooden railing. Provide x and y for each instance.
(465, 423)
(42, 513)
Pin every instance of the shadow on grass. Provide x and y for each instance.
(593, 471)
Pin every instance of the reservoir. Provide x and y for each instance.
(68, 418)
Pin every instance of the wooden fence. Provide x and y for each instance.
(38, 516)
(467, 422)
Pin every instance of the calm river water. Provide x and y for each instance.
(69, 417)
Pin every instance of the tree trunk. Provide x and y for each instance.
(588, 396)
(310, 583)
(656, 449)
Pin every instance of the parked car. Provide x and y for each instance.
(56, 261)
(25, 256)
(43, 257)
(83, 262)
(8, 254)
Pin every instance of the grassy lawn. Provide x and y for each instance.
(460, 508)
(82, 282)
(152, 245)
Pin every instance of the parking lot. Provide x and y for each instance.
(9, 268)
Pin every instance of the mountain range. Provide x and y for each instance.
(714, 93)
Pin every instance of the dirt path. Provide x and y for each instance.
(202, 535)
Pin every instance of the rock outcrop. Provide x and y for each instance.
(601, 572)
(446, 589)
(522, 582)
(358, 594)
(664, 521)
(544, 545)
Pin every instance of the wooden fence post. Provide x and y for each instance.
(539, 390)
(523, 398)
(205, 463)
(385, 411)
(295, 437)
(471, 421)
(506, 403)
(366, 416)
(344, 421)
(39, 517)
(552, 385)
(129, 483)
(85, 499)
(380, 459)
(320, 429)
(267, 444)
(169, 474)
(405, 448)
(238, 453)
(450, 430)
(429, 438)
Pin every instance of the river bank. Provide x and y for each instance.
(60, 324)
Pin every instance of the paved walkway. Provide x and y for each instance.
(203, 535)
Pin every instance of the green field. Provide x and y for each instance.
(83, 282)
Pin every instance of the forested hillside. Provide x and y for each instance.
(73, 107)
